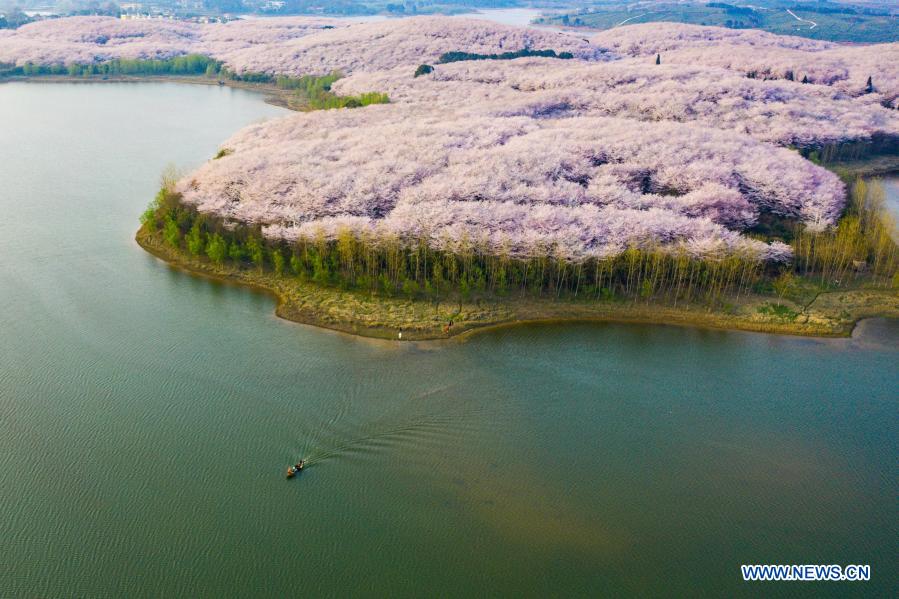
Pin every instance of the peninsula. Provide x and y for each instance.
(450, 174)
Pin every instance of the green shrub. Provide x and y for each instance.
(778, 311)
(457, 56)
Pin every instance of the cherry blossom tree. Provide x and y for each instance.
(591, 186)
(588, 156)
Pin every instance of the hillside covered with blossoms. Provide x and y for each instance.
(277, 45)
(778, 111)
(762, 55)
(656, 135)
(589, 185)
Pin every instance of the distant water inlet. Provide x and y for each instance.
(147, 416)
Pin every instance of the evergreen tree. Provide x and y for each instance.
(235, 252)
(278, 262)
(195, 240)
(171, 232)
(296, 264)
(217, 249)
(255, 251)
(148, 218)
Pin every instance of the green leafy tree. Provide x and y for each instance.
(148, 218)
(784, 284)
(423, 69)
(296, 265)
(410, 288)
(256, 251)
(385, 284)
(195, 240)
(217, 249)
(464, 288)
(171, 232)
(236, 252)
(321, 271)
(278, 262)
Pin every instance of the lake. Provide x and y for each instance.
(147, 416)
(516, 17)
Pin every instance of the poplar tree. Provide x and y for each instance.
(217, 249)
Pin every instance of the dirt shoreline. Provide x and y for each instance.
(830, 314)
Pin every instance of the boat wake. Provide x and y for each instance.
(444, 419)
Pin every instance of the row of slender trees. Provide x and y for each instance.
(876, 145)
(190, 64)
(390, 265)
(863, 242)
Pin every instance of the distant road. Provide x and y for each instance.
(631, 19)
(803, 20)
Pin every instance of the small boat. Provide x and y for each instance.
(295, 469)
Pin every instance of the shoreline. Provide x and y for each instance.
(829, 314)
(375, 316)
(273, 94)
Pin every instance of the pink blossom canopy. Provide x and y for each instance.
(582, 157)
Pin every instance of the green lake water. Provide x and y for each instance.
(147, 417)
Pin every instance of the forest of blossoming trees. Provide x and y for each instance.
(277, 46)
(766, 56)
(672, 141)
(590, 185)
(779, 111)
